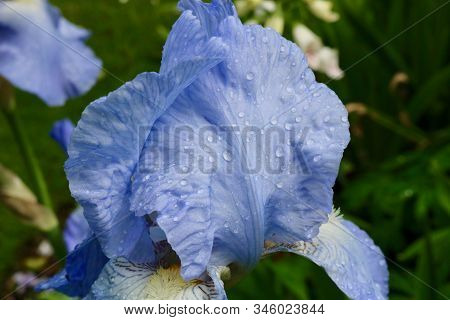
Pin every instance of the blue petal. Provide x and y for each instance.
(106, 144)
(216, 218)
(349, 256)
(77, 230)
(65, 68)
(61, 132)
(83, 267)
(124, 280)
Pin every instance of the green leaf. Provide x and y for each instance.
(429, 93)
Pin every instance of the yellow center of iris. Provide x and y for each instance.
(167, 284)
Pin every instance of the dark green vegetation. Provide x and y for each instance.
(394, 180)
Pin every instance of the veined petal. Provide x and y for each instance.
(223, 216)
(83, 267)
(65, 68)
(124, 280)
(107, 142)
(348, 255)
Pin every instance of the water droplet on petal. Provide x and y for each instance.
(344, 119)
(183, 182)
(279, 152)
(250, 76)
(227, 156)
(317, 158)
(279, 185)
(294, 110)
(241, 114)
(288, 126)
(265, 39)
(274, 121)
(298, 119)
(326, 119)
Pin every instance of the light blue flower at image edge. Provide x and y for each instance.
(43, 53)
(215, 72)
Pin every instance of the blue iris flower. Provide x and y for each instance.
(175, 221)
(43, 53)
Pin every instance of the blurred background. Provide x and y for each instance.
(389, 63)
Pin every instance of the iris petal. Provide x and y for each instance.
(43, 53)
(107, 142)
(83, 267)
(122, 279)
(348, 255)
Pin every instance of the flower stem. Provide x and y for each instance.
(29, 157)
(7, 104)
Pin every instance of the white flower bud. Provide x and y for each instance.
(19, 198)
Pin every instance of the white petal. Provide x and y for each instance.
(348, 255)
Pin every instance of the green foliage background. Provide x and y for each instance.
(394, 180)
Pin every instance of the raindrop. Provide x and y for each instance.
(227, 156)
(265, 40)
(241, 114)
(250, 76)
(294, 110)
(279, 152)
(344, 119)
(279, 185)
(288, 126)
(298, 119)
(183, 182)
(317, 158)
(274, 121)
(210, 139)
